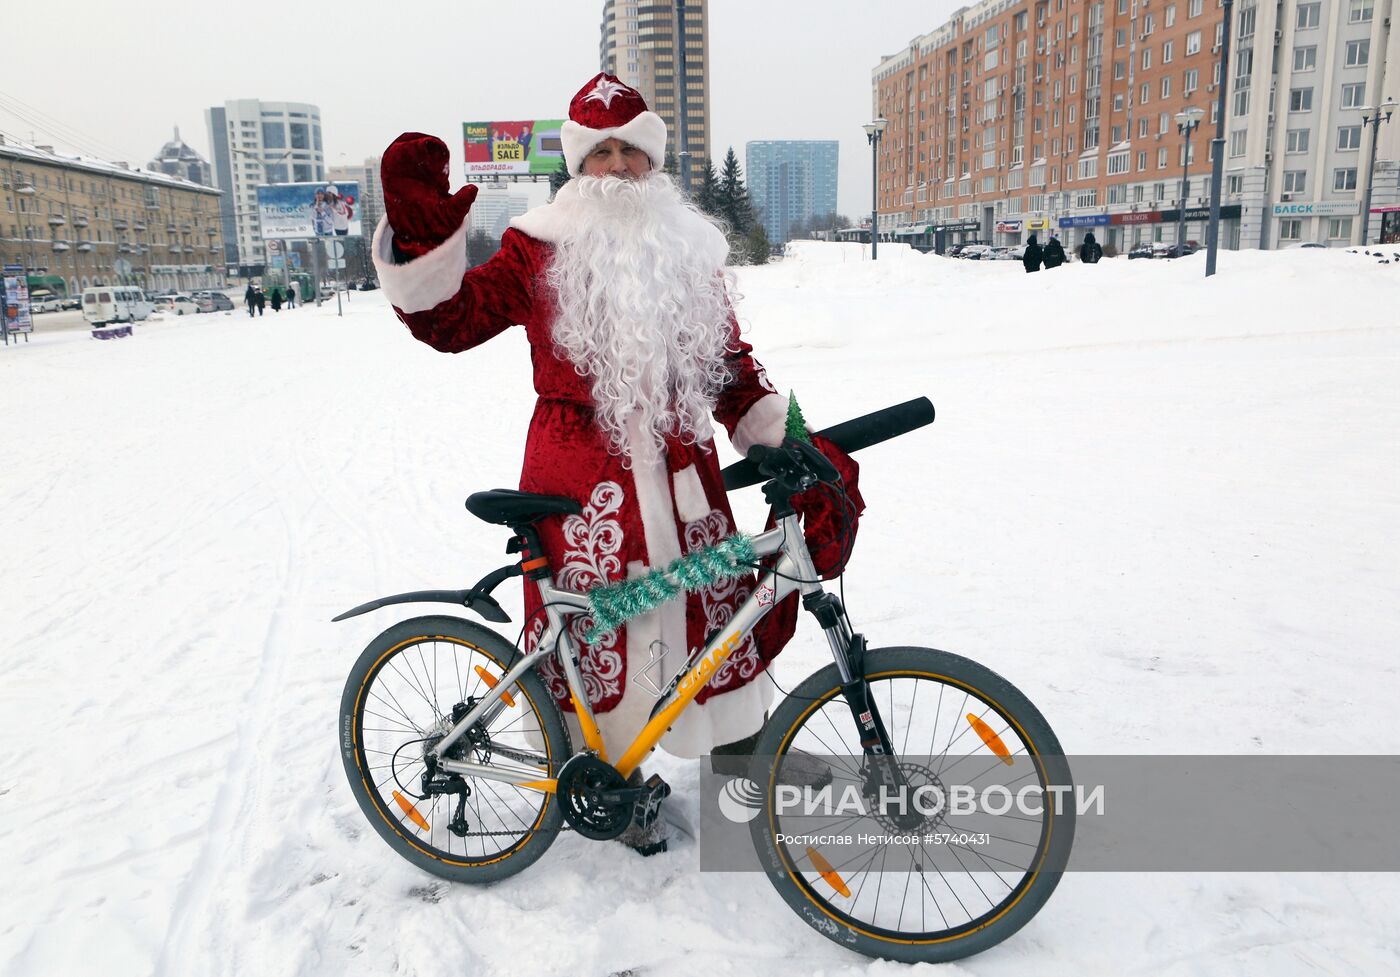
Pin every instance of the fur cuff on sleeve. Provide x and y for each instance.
(423, 283)
(763, 423)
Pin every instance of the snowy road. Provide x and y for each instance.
(1166, 508)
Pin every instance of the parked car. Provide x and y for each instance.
(1178, 250)
(213, 302)
(71, 302)
(1307, 244)
(115, 303)
(177, 305)
(44, 302)
(976, 252)
(1141, 250)
(1017, 253)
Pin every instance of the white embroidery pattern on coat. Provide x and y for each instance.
(593, 541)
(719, 601)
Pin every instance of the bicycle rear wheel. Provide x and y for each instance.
(399, 700)
(951, 883)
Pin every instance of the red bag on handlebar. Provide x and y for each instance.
(828, 521)
(829, 526)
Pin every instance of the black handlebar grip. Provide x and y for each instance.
(850, 436)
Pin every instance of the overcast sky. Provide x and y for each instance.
(113, 78)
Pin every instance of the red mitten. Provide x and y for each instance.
(416, 200)
(828, 521)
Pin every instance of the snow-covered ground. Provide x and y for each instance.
(1166, 507)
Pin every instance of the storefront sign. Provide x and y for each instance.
(1084, 220)
(1038, 224)
(1324, 208)
(1008, 227)
(1193, 215)
(1390, 209)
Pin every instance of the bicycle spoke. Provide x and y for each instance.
(962, 883)
(417, 676)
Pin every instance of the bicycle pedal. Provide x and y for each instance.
(647, 807)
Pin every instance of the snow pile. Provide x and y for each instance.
(1163, 506)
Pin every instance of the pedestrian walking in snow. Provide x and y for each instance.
(1090, 251)
(276, 299)
(260, 297)
(1033, 256)
(1054, 253)
(250, 299)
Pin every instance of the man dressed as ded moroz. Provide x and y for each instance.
(620, 285)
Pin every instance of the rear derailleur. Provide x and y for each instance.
(435, 784)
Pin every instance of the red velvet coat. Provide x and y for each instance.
(633, 518)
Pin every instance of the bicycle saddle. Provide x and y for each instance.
(507, 507)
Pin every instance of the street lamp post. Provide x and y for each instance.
(1217, 146)
(1186, 122)
(873, 131)
(1372, 117)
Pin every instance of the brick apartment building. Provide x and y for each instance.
(1038, 116)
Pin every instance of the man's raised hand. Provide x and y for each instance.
(420, 209)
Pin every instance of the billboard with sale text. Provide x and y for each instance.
(502, 148)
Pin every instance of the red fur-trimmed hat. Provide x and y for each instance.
(605, 108)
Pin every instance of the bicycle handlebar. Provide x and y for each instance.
(850, 436)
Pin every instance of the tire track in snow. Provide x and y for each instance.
(197, 922)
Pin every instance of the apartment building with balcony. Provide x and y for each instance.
(1041, 116)
(92, 222)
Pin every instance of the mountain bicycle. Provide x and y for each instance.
(459, 756)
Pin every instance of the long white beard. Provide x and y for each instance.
(643, 308)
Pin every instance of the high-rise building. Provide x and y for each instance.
(1032, 116)
(254, 143)
(371, 202)
(661, 48)
(493, 209)
(178, 159)
(790, 181)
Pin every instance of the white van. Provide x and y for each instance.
(115, 303)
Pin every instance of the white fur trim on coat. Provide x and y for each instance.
(763, 423)
(691, 503)
(646, 131)
(425, 282)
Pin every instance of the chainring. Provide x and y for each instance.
(579, 789)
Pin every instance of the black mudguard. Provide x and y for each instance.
(482, 604)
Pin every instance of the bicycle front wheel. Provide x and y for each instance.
(934, 882)
(400, 700)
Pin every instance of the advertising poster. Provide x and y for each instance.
(17, 315)
(297, 211)
(502, 148)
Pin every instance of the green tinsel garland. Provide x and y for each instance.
(616, 603)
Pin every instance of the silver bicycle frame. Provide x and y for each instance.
(794, 572)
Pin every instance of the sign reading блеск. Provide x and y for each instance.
(1324, 208)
